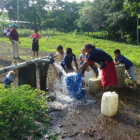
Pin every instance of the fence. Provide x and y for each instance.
(27, 71)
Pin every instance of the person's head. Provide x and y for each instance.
(35, 31)
(83, 51)
(14, 26)
(117, 53)
(89, 47)
(60, 49)
(69, 52)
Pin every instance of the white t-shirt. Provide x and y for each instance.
(11, 76)
(83, 57)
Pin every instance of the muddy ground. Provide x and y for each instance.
(83, 120)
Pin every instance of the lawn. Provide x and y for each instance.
(76, 42)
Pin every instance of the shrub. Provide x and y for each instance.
(23, 113)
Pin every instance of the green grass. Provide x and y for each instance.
(76, 42)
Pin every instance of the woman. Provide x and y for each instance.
(109, 76)
(35, 44)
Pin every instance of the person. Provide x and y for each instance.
(35, 43)
(10, 78)
(109, 76)
(68, 59)
(8, 31)
(60, 55)
(5, 32)
(14, 38)
(119, 58)
(83, 58)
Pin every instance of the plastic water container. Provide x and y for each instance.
(75, 86)
(94, 85)
(88, 75)
(120, 69)
(109, 105)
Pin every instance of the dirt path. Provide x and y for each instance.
(73, 120)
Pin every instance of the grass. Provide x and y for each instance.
(76, 42)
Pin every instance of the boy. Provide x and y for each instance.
(128, 65)
(10, 78)
(68, 59)
(91, 64)
(35, 43)
(60, 55)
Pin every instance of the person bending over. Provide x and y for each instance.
(119, 58)
(68, 59)
(109, 76)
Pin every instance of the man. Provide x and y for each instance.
(14, 38)
(68, 59)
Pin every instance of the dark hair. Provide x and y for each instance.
(59, 47)
(117, 51)
(89, 46)
(35, 30)
(69, 51)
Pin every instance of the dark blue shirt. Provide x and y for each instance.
(125, 61)
(67, 61)
(99, 56)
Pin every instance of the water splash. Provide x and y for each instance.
(60, 91)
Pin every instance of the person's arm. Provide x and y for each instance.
(55, 55)
(76, 65)
(66, 69)
(116, 62)
(84, 65)
(10, 38)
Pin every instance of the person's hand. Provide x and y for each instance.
(12, 42)
(77, 71)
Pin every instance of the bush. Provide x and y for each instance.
(23, 113)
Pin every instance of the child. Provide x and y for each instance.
(10, 78)
(83, 58)
(109, 76)
(68, 59)
(128, 65)
(60, 55)
(35, 43)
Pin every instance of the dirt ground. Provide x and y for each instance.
(84, 121)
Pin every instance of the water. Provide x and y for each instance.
(60, 91)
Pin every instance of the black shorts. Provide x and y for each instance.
(35, 47)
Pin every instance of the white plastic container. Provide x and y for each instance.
(109, 105)
(94, 85)
(120, 69)
(88, 75)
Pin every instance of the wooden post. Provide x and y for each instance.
(27, 75)
(43, 71)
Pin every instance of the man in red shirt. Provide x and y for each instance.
(14, 38)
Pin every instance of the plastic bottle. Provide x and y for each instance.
(109, 104)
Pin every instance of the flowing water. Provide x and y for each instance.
(82, 120)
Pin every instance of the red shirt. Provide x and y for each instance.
(36, 35)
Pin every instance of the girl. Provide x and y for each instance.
(83, 58)
(35, 44)
(109, 76)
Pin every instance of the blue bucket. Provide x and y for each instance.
(75, 86)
